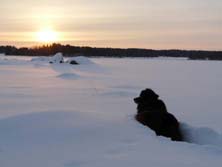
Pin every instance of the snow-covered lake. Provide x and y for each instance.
(59, 115)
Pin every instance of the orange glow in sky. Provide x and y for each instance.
(157, 24)
(47, 36)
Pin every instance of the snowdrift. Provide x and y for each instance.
(80, 60)
(58, 58)
(201, 135)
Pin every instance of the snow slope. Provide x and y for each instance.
(61, 115)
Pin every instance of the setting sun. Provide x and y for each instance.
(47, 35)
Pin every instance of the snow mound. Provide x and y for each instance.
(80, 60)
(68, 76)
(72, 60)
(202, 135)
(57, 58)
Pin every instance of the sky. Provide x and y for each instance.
(156, 24)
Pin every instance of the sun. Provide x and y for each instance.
(47, 36)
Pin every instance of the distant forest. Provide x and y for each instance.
(69, 51)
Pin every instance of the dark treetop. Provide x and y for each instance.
(69, 50)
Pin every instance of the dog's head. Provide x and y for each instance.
(146, 95)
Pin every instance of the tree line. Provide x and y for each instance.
(68, 50)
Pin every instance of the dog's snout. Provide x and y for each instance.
(136, 100)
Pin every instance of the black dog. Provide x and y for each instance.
(152, 112)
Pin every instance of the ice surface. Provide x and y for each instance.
(59, 115)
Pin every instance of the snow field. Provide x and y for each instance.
(60, 115)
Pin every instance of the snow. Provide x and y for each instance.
(55, 59)
(202, 135)
(82, 60)
(68, 76)
(60, 115)
(40, 59)
(58, 58)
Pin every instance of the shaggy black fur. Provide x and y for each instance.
(152, 112)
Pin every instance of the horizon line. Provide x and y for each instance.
(108, 47)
